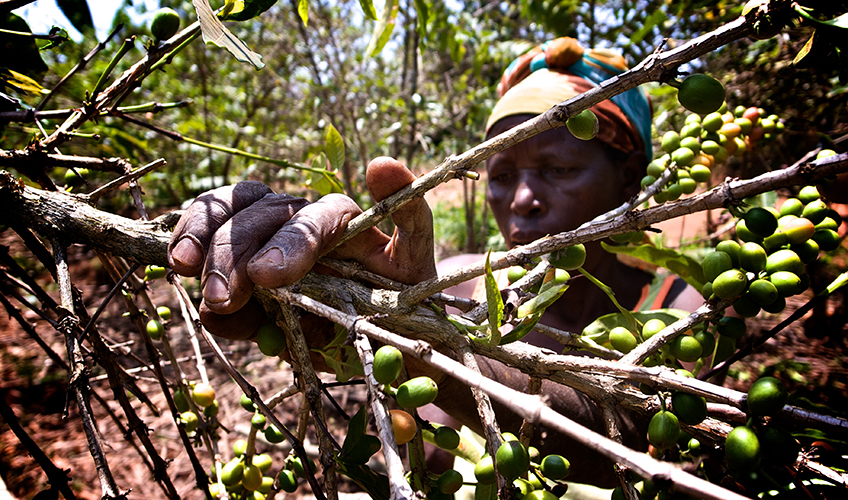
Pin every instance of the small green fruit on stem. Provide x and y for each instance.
(584, 125)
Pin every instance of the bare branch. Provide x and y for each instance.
(57, 477)
(78, 376)
(531, 408)
(67, 215)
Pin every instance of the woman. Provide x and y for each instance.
(244, 234)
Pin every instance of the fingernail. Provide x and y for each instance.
(216, 290)
(273, 258)
(187, 253)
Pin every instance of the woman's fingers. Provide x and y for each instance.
(225, 282)
(310, 233)
(191, 238)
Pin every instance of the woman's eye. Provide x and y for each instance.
(501, 178)
(560, 171)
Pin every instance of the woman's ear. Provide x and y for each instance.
(632, 171)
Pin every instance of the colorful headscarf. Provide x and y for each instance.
(560, 69)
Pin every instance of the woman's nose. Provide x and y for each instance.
(528, 198)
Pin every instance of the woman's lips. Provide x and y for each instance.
(517, 237)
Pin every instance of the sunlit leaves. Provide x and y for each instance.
(14, 80)
(383, 29)
(321, 178)
(214, 31)
(248, 9)
(303, 11)
(334, 148)
(368, 9)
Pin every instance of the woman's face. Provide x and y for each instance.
(554, 182)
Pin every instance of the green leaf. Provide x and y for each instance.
(249, 9)
(598, 330)
(341, 334)
(334, 148)
(486, 492)
(214, 31)
(383, 29)
(344, 362)
(78, 14)
(321, 179)
(368, 9)
(686, 267)
(423, 18)
(303, 10)
(495, 302)
(548, 295)
(522, 329)
(376, 485)
(837, 283)
(840, 22)
(469, 448)
(657, 17)
(355, 429)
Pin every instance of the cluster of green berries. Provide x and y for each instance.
(244, 478)
(769, 264)
(664, 428)
(533, 476)
(747, 446)
(415, 392)
(259, 422)
(203, 395)
(692, 345)
(154, 327)
(706, 141)
(567, 259)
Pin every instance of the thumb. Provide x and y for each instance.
(386, 176)
(406, 256)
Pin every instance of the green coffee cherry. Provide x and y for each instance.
(417, 392)
(663, 430)
(512, 460)
(388, 362)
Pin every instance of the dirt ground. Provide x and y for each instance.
(809, 355)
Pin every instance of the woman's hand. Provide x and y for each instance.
(237, 236)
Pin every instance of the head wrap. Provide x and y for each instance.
(560, 69)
